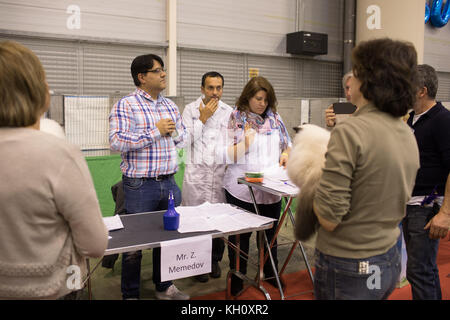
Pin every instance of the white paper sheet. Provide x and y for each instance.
(113, 223)
(281, 186)
(276, 172)
(218, 216)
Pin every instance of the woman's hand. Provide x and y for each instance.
(284, 158)
(249, 135)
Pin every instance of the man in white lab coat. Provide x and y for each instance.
(206, 121)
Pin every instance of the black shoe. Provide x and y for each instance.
(215, 270)
(237, 285)
(202, 278)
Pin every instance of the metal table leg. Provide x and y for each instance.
(275, 272)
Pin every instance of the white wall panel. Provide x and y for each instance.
(131, 20)
(437, 47)
(250, 26)
(324, 16)
(257, 26)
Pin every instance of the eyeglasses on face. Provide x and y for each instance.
(155, 71)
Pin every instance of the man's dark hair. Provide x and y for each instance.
(387, 70)
(143, 63)
(428, 78)
(212, 74)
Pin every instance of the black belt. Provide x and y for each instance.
(161, 177)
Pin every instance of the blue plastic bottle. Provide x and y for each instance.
(171, 217)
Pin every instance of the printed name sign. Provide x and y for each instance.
(186, 257)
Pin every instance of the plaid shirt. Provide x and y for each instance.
(133, 131)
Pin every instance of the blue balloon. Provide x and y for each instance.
(427, 12)
(439, 17)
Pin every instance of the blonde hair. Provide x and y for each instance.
(23, 87)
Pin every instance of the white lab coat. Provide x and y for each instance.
(205, 159)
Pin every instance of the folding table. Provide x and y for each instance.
(287, 211)
(145, 231)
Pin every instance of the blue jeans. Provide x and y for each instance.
(144, 195)
(421, 268)
(345, 279)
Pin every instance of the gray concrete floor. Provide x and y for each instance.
(106, 282)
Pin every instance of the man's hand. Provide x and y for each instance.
(207, 111)
(330, 116)
(165, 126)
(439, 225)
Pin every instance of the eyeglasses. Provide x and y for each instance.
(156, 71)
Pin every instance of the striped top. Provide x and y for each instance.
(133, 131)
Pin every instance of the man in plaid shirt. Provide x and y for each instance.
(146, 128)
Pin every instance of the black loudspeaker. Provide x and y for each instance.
(307, 43)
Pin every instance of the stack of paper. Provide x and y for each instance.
(113, 223)
(276, 178)
(219, 216)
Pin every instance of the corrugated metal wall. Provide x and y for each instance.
(443, 93)
(130, 21)
(81, 68)
(227, 36)
(193, 64)
(230, 37)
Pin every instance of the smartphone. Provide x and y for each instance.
(343, 108)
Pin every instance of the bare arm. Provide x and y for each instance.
(238, 150)
(440, 223)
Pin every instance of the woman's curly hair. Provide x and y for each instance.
(387, 70)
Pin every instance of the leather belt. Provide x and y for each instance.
(161, 177)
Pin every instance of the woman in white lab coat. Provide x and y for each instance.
(257, 140)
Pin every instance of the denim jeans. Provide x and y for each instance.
(347, 279)
(421, 268)
(144, 195)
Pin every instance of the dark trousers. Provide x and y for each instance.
(145, 195)
(218, 248)
(421, 268)
(268, 210)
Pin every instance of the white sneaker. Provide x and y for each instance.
(172, 293)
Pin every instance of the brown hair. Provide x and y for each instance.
(252, 87)
(387, 70)
(23, 88)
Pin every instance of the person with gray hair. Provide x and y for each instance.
(428, 212)
(330, 116)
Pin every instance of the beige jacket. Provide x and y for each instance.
(50, 218)
(370, 170)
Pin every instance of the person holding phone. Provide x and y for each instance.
(330, 115)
